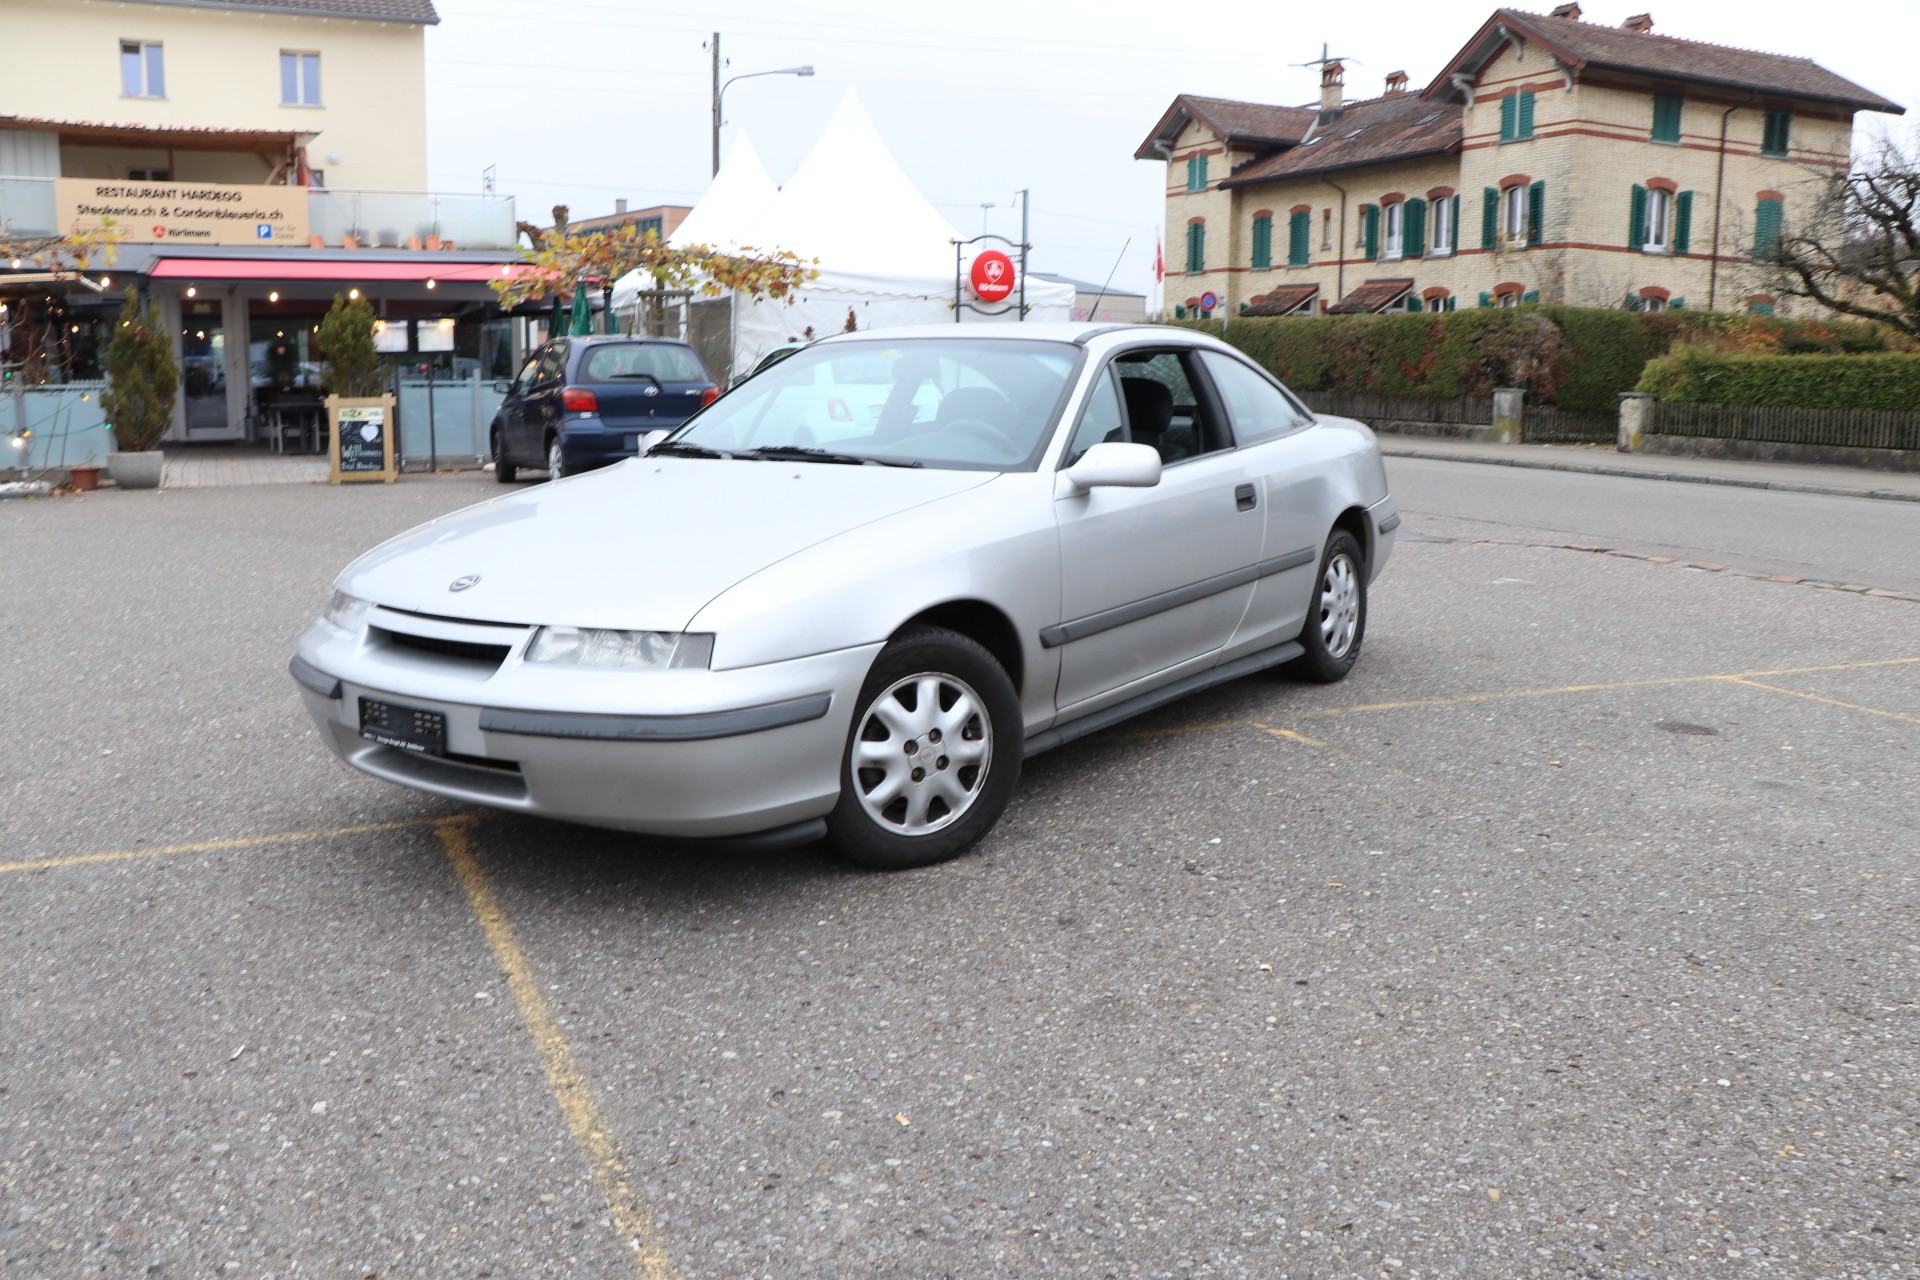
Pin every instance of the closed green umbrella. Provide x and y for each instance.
(582, 314)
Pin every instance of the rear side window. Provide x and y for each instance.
(1259, 410)
(553, 365)
(641, 362)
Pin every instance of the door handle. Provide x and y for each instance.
(1243, 498)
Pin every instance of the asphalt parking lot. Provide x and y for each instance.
(1574, 935)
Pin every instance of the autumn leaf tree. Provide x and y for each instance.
(562, 261)
(65, 254)
(1857, 248)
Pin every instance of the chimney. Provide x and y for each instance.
(1571, 12)
(1333, 79)
(620, 205)
(1639, 24)
(1396, 82)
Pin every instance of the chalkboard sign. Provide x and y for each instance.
(362, 440)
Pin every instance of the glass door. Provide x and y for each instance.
(203, 367)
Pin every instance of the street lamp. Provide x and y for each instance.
(719, 93)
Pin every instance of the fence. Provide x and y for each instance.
(62, 425)
(1547, 424)
(1769, 424)
(1463, 416)
(457, 434)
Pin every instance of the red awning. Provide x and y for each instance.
(282, 270)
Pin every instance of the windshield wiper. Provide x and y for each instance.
(684, 449)
(801, 453)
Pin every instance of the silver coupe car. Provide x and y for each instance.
(849, 597)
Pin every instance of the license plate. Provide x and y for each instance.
(403, 728)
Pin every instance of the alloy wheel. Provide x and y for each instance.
(921, 754)
(1339, 605)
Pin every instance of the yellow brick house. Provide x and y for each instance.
(1551, 159)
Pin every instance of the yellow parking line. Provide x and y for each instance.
(211, 846)
(631, 1217)
(1832, 702)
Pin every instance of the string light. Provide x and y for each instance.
(274, 296)
(193, 291)
(353, 295)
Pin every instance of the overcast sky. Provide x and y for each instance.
(584, 101)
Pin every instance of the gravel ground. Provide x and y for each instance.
(1539, 947)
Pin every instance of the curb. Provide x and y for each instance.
(1633, 473)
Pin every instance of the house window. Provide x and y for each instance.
(653, 227)
(149, 175)
(1516, 117)
(1263, 242)
(1196, 248)
(1394, 218)
(299, 79)
(143, 71)
(1299, 238)
(1656, 229)
(1196, 173)
(1779, 128)
(1666, 117)
(1767, 220)
(1435, 301)
(1445, 212)
(1513, 214)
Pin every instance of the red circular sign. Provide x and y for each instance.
(992, 276)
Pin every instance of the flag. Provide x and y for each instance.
(1159, 262)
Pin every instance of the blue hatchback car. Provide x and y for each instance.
(585, 402)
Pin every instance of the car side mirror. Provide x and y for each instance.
(503, 386)
(648, 439)
(1116, 465)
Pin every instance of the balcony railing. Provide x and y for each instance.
(335, 219)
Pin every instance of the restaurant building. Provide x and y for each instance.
(255, 158)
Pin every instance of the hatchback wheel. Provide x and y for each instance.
(933, 754)
(556, 460)
(503, 471)
(1337, 619)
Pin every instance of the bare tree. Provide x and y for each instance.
(1858, 250)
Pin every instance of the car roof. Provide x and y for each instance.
(1080, 333)
(594, 339)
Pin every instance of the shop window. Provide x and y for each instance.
(143, 70)
(299, 79)
(1666, 117)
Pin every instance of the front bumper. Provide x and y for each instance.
(675, 753)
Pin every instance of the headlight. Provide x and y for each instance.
(635, 650)
(347, 612)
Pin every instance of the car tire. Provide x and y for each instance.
(959, 791)
(1337, 618)
(556, 459)
(503, 471)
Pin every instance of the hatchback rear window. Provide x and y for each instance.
(640, 362)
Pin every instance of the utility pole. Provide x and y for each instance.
(716, 102)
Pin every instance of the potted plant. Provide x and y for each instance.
(353, 378)
(141, 379)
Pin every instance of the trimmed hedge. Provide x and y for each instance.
(1883, 382)
(1574, 357)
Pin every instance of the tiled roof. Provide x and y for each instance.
(1398, 126)
(1282, 301)
(1374, 295)
(1255, 122)
(1589, 44)
(420, 11)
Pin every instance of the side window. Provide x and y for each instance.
(1258, 409)
(1100, 421)
(1163, 407)
(553, 365)
(524, 379)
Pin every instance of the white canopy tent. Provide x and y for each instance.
(886, 256)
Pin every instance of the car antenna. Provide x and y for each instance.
(1093, 312)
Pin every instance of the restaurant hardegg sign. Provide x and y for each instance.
(184, 212)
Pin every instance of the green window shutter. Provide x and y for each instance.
(1537, 212)
(1637, 222)
(1676, 304)
(1489, 216)
(1486, 300)
(1452, 303)
(1179, 312)
(1413, 230)
(1262, 242)
(1766, 230)
(1372, 217)
(1524, 128)
(1666, 117)
(1682, 221)
(1299, 239)
(1775, 141)
(1761, 308)
(1509, 117)
(1203, 172)
(1531, 295)
(1454, 224)
(1196, 248)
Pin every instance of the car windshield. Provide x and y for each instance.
(979, 404)
(641, 361)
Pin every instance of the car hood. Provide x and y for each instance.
(639, 546)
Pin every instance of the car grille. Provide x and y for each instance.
(492, 655)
